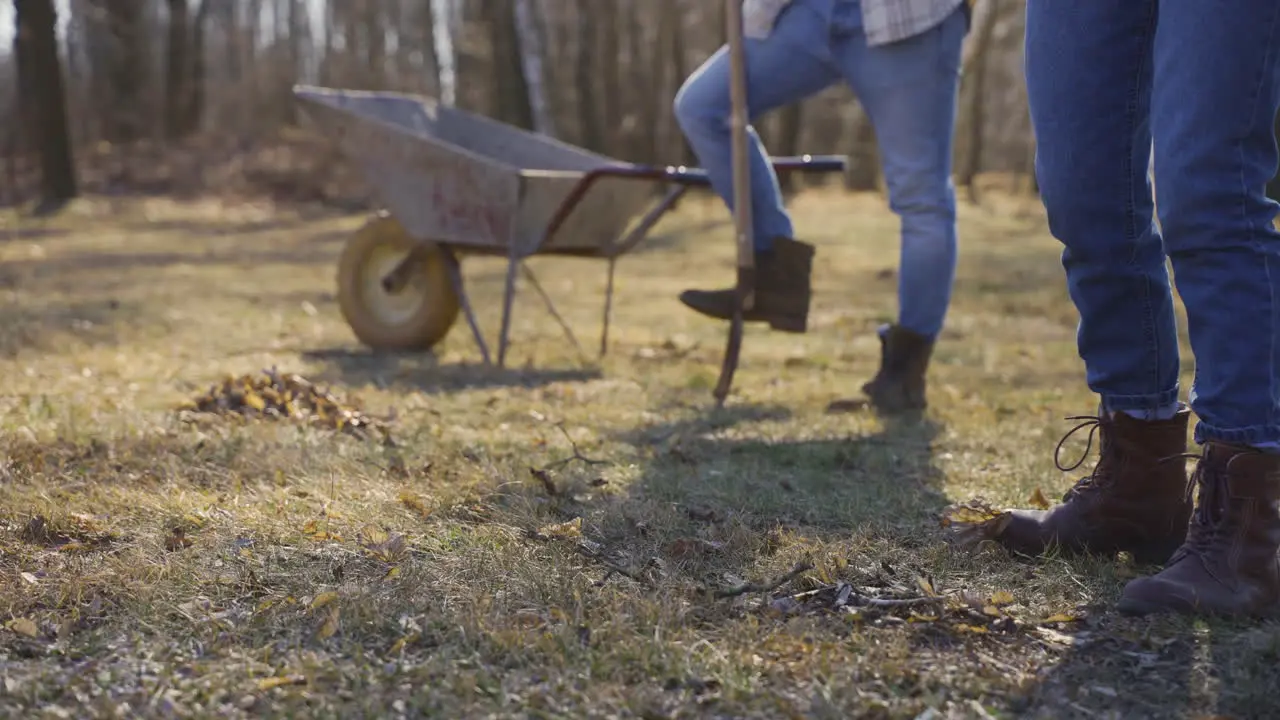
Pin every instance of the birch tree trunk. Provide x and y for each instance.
(526, 25)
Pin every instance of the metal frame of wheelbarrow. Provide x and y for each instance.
(682, 179)
(532, 210)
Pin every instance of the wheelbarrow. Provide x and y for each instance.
(456, 183)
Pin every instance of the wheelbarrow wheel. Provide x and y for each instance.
(415, 317)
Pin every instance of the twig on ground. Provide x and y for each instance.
(613, 567)
(577, 454)
(745, 588)
(866, 601)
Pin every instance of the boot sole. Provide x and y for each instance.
(1142, 608)
(781, 323)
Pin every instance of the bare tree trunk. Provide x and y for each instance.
(680, 66)
(976, 64)
(788, 143)
(40, 80)
(193, 107)
(375, 44)
(177, 68)
(127, 69)
(864, 163)
(432, 63)
(585, 79)
(511, 91)
(609, 70)
(526, 33)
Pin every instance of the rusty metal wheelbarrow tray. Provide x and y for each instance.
(462, 183)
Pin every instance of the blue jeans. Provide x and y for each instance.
(1104, 79)
(908, 90)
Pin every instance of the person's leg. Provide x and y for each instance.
(909, 91)
(1089, 78)
(1215, 98)
(792, 63)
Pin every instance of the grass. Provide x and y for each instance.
(156, 567)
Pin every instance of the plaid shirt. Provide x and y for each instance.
(883, 21)
(886, 21)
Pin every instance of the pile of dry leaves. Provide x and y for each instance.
(274, 395)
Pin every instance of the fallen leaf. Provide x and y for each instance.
(570, 529)
(686, 547)
(971, 524)
(23, 626)
(1038, 500)
(400, 644)
(280, 681)
(392, 574)
(1002, 597)
(310, 528)
(973, 629)
(330, 624)
(323, 599)
(544, 477)
(1051, 635)
(176, 540)
(1060, 618)
(414, 503)
(372, 535)
(30, 578)
(926, 586)
(970, 513)
(991, 610)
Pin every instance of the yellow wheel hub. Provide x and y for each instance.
(414, 317)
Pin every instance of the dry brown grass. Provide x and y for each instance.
(281, 570)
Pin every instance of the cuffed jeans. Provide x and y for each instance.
(908, 90)
(1104, 78)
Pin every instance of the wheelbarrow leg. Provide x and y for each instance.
(551, 308)
(608, 307)
(629, 241)
(455, 279)
(508, 299)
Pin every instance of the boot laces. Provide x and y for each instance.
(1208, 521)
(1108, 452)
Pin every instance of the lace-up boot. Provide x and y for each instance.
(1134, 500)
(1228, 564)
(782, 294)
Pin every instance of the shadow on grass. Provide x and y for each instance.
(38, 329)
(885, 480)
(318, 251)
(711, 502)
(423, 372)
(1162, 667)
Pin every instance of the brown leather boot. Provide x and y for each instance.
(1228, 564)
(1134, 500)
(782, 289)
(899, 384)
